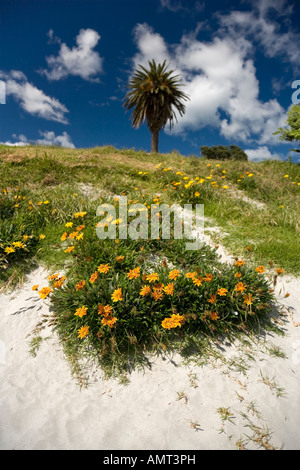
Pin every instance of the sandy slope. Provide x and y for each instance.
(42, 407)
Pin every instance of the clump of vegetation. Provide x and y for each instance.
(220, 152)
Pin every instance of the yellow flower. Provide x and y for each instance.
(53, 276)
(83, 332)
(104, 268)
(68, 250)
(286, 176)
(169, 289)
(9, 249)
(225, 187)
(79, 214)
(152, 277)
(80, 312)
(134, 273)
(93, 277)
(172, 322)
(237, 275)
(197, 194)
(44, 292)
(145, 291)
(260, 269)
(42, 236)
(18, 244)
(79, 237)
(174, 274)
(69, 224)
(222, 291)
(25, 238)
(80, 285)
(35, 287)
(46, 202)
(117, 295)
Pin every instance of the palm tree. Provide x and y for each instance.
(154, 96)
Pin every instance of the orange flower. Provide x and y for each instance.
(239, 262)
(169, 289)
(145, 291)
(109, 321)
(260, 269)
(222, 291)
(80, 285)
(134, 273)
(174, 274)
(64, 236)
(93, 277)
(212, 299)
(240, 287)
(104, 268)
(120, 259)
(80, 312)
(157, 294)
(214, 316)
(237, 275)
(44, 292)
(198, 281)
(248, 299)
(35, 287)
(59, 282)
(68, 250)
(208, 277)
(83, 332)
(191, 275)
(117, 295)
(279, 270)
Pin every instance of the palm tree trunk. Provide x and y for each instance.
(154, 141)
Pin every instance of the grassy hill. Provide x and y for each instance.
(116, 299)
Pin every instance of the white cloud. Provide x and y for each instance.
(33, 100)
(80, 60)
(262, 153)
(49, 138)
(220, 78)
(257, 25)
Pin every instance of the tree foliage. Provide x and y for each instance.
(154, 97)
(220, 152)
(291, 133)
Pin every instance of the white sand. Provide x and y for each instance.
(42, 407)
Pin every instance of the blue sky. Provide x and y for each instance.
(66, 64)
